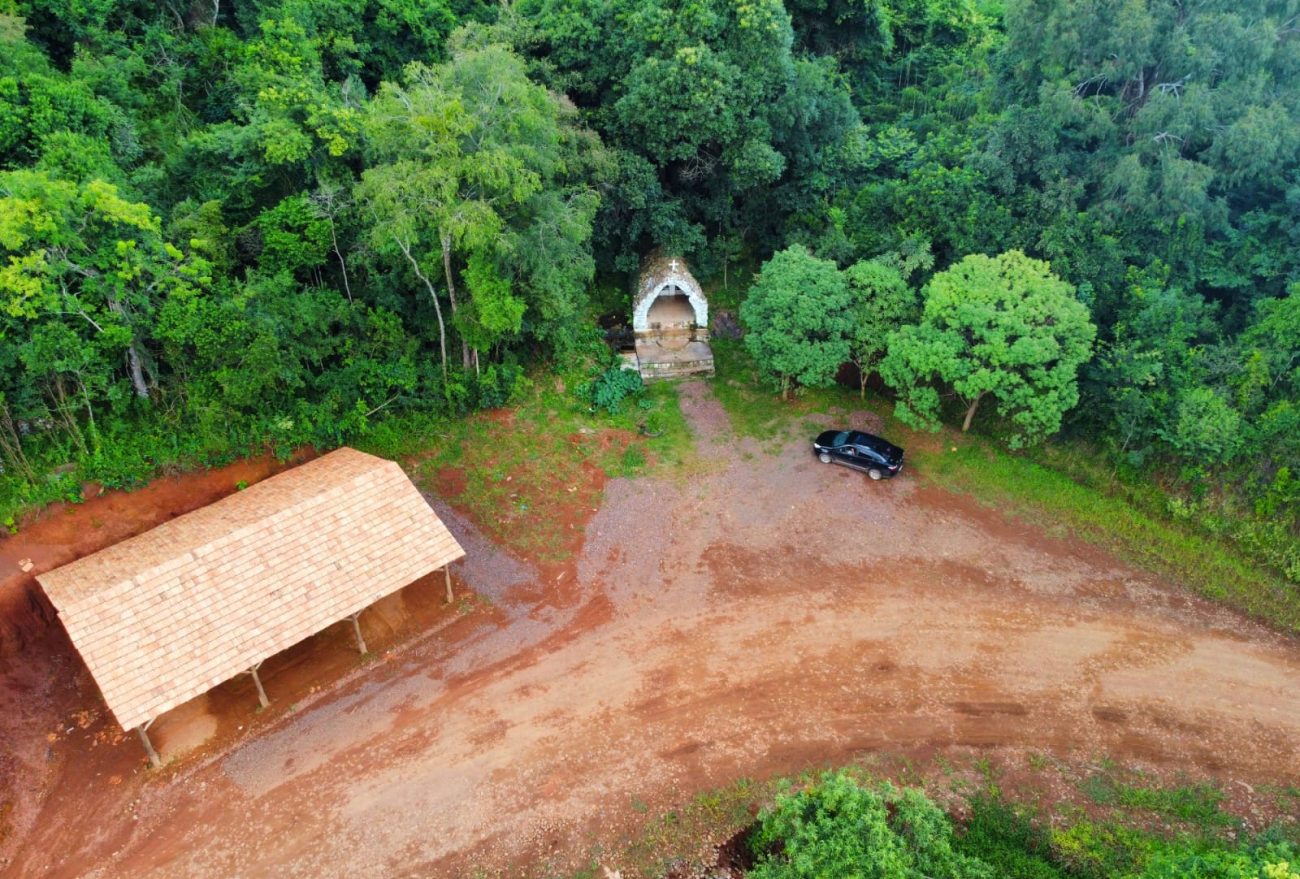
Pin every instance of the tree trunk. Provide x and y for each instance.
(90, 415)
(132, 355)
(64, 410)
(451, 293)
(347, 288)
(137, 373)
(970, 413)
(11, 445)
(437, 307)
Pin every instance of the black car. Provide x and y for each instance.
(878, 458)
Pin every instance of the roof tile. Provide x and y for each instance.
(170, 613)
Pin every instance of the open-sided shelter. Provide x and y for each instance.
(167, 615)
(670, 320)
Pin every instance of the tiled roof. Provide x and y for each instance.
(171, 613)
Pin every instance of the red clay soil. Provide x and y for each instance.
(63, 532)
(768, 616)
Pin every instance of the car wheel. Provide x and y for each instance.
(874, 473)
(824, 458)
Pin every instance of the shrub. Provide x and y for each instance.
(608, 390)
(838, 828)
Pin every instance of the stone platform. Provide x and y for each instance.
(663, 360)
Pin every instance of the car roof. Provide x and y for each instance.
(870, 440)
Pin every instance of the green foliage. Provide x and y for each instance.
(882, 302)
(468, 174)
(1005, 327)
(1004, 837)
(712, 117)
(612, 387)
(1267, 861)
(835, 827)
(798, 317)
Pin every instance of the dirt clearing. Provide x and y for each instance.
(766, 615)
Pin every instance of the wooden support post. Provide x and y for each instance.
(257, 681)
(154, 760)
(356, 628)
(446, 571)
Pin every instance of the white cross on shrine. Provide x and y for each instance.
(673, 266)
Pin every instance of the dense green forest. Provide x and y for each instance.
(228, 226)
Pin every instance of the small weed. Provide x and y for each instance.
(1004, 837)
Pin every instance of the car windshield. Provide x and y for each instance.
(840, 438)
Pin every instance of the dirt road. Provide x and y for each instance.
(766, 615)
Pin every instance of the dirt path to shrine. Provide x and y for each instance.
(764, 616)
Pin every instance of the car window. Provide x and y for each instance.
(840, 438)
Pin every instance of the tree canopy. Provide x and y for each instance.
(231, 225)
(798, 316)
(1003, 327)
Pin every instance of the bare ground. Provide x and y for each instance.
(763, 616)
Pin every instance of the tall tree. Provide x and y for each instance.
(1003, 327)
(882, 302)
(468, 160)
(85, 258)
(798, 317)
(706, 104)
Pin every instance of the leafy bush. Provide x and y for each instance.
(838, 828)
(608, 390)
(1274, 861)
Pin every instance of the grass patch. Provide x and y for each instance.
(1019, 486)
(758, 412)
(530, 474)
(681, 841)
(1195, 805)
